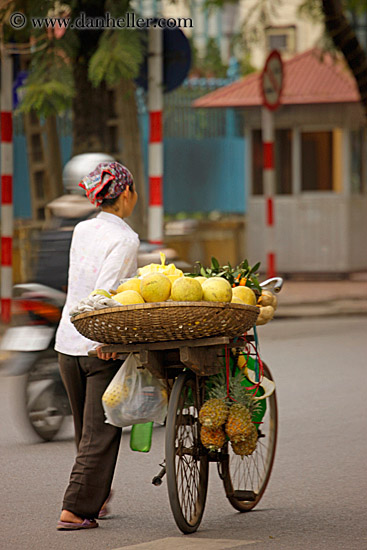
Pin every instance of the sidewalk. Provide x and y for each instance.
(323, 298)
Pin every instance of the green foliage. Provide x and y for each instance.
(195, 59)
(357, 6)
(49, 88)
(112, 55)
(212, 63)
(244, 55)
(118, 56)
(233, 275)
(216, 388)
(46, 98)
(246, 67)
(311, 9)
(117, 8)
(258, 16)
(30, 8)
(209, 4)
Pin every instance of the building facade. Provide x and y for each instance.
(262, 25)
(320, 162)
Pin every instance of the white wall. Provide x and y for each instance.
(323, 232)
(284, 14)
(232, 18)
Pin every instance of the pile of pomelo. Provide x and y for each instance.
(160, 282)
(157, 287)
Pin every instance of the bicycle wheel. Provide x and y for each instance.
(245, 479)
(186, 463)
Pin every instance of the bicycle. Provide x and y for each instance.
(186, 365)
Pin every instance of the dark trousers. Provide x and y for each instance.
(85, 380)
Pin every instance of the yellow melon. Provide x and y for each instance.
(128, 297)
(155, 287)
(217, 289)
(245, 294)
(201, 279)
(237, 300)
(130, 284)
(186, 289)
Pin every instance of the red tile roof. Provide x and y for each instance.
(307, 79)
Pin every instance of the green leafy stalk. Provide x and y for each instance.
(118, 56)
(50, 87)
(233, 275)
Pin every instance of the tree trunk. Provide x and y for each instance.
(54, 156)
(345, 39)
(90, 110)
(90, 113)
(132, 155)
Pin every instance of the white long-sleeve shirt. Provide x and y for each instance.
(103, 251)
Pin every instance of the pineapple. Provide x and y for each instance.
(212, 439)
(213, 413)
(113, 396)
(238, 426)
(248, 446)
(234, 412)
(238, 393)
(116, 394)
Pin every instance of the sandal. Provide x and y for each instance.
(69, 526)
(104, 511)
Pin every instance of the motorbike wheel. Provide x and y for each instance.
(45, 396)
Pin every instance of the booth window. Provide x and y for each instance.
(358, 162)
(317, 165)
(283, 162)
(257, 163)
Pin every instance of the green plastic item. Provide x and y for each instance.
(258, 415)
(141, 437)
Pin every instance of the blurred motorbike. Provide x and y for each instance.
(33, 361)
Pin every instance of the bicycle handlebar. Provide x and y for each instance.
(275, 284)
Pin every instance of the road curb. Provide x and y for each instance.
(324, 309)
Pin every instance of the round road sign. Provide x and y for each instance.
(176, 60)
(272, 81)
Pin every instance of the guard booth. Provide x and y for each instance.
(321, 166)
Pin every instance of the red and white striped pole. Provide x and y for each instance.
(267, 126)
(155, 108)
(6, 185)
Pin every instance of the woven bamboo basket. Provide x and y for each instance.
(164, 321)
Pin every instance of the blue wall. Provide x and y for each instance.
(66, 144)
(21, 187)
(200, 175)
(204, 175)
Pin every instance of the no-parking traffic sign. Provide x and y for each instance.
(272, 81)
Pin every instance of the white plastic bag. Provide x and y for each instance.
(134, 396)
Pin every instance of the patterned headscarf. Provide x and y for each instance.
(112, 174)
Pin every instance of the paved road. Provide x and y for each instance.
(316, 498)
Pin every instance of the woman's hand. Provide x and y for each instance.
(106, 356)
